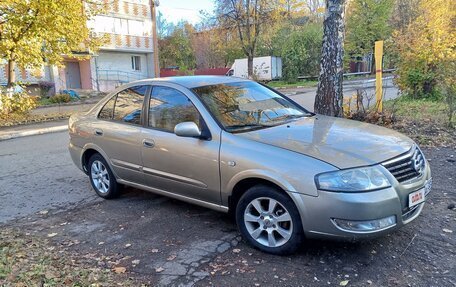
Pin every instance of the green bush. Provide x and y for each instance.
(301, 53)
(60, 98)
(418, 80)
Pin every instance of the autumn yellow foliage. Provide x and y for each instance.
(427, 48)
(44, 31)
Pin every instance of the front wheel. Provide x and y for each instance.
(101, 177)
(269, 220)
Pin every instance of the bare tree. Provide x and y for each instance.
(248, 18)
(330, 94)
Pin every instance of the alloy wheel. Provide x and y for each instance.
(268, 222)
(100, 176)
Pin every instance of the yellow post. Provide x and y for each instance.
(378, 75)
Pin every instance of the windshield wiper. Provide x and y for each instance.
(287, 117)
(246, 126)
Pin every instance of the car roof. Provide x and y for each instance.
(196, 81)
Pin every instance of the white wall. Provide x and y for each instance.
(32, 76)
(120, 62)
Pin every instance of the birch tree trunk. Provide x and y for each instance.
(329, 98)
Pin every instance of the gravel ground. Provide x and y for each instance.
(422, 253)
(160, 241)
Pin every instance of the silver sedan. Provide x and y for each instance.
(237, 146)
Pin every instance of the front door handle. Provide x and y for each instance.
(148, 143)
(98, 132)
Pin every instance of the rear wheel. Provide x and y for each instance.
(101, 177)
(269, 220)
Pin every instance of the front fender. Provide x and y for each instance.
(261, 174)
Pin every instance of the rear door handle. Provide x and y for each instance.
(98, 132)
(148, 143)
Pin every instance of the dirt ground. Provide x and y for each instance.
(160, 241)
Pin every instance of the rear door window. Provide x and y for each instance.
(126, 106)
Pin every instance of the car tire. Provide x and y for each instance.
(269, 220)
(101, 177)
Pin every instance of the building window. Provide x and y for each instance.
(136, 63)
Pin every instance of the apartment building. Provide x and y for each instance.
(127, 55)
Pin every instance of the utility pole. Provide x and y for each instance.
(153, 5)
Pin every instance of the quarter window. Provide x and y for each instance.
(169, 107)
(108, 109)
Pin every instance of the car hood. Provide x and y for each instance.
(340, 142)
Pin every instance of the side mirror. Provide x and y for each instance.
(187, 129)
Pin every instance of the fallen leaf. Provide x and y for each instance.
(171, 257)
(344, 283)
(51, 275)
(236, 250)
(120, 269)
(135, 262)
(447, 230)
(159, 269)
(52, 234)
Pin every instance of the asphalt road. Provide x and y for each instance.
(178, 244)
(36, 174)
(306, 96)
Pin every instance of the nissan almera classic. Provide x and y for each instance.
(237, 146)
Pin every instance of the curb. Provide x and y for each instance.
(25, 133)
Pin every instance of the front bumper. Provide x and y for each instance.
(318, 214)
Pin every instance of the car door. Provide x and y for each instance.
(118, 132)
(180, 165)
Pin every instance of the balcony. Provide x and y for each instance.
(137, 8)
(127, 43)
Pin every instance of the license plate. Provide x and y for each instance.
(416, 197)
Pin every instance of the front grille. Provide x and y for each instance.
(408, 166)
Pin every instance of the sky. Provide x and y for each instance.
(176, 10)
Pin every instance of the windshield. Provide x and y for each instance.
(248, 105)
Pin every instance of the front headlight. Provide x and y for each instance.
(353, 180)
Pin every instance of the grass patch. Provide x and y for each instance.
(45, 102)
(55, 100)
(28, 260)
(424, 120)
(285, 84)
(419, 109)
